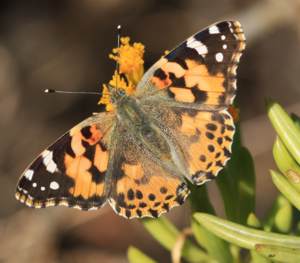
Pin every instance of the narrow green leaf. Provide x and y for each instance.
(280, 217)
(236, 253)
(296, 120)
(277, 253)
(288, 190)
(286, 163)
(284, 217)
(199, 199)
(243, 236)
(285, 128)
(216, 247)
(257, 258)
(166, 234)
(134, 255)
(237, 186)
(253, 221)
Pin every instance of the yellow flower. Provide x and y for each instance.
(130, 59)
(120, 83)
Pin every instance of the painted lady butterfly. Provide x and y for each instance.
(175, 126)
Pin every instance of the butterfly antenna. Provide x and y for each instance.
(119, 28)
(72, 92)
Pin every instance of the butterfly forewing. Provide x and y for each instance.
(71, 171)
(201, 70)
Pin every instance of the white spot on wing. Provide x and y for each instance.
(54, 185)
(48, 161)
(224, 46)
(29, 174)
(34, 185)
(213, 30)
(195, 44)
(223, 37)
(219, 57)
(43, 188)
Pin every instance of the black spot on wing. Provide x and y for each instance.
(176, 82)
(180, 61)
(97, 176)
(86, 133)
(159, 73)
(183, 52)
(200, 95)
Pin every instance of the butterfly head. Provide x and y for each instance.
(116, 94)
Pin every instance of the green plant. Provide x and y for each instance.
(218, 240)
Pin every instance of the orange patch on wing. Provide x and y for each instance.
(157, 194)
(76, 144)
(181, 94)
(134, 171)
(213, 98)
(188, 125)
(161, 83)
(101, 159)
(198, 75)
(77, 168)
(175, 68)
(207, 152)
(77, 138)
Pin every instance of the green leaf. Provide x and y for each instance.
(286, 163)
(257, 258)
(243, 236)
(282, 254)
(296, 120)
(199, 199)
(286, 188)
(237, 186)
(134, 255)
(280, 217)
(167, 234)
(253, 221)
(216, 247)
(286, 129)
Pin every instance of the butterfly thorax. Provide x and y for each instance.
(132, 118)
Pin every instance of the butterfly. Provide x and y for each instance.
(175, 127)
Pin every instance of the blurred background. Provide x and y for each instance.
(64, 44)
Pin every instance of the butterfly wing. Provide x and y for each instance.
(200, 72)
(71, 172)
(141, 186)
(189, 90)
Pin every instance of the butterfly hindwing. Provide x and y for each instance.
(71, 171)
(202, 139)
(206, 140)
(141, 186)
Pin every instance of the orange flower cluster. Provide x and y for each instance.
(130, 58)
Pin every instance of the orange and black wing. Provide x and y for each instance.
(71, 172)
(201, 71)
(190, 89)
(140, 184)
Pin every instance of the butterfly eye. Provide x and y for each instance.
(121, 92)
